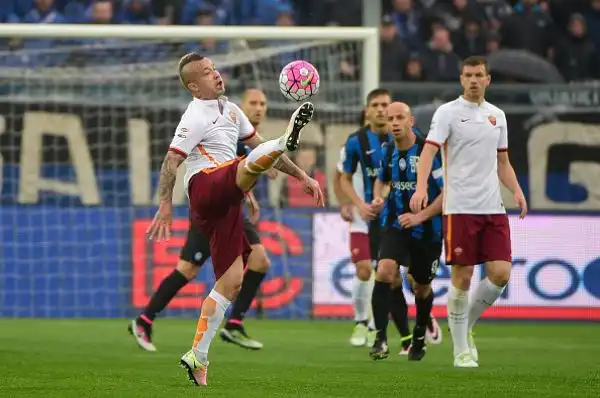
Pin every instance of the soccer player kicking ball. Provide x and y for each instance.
(215, 181)
(409, 239)
(196, 251)
(473, 136)
(360, 160)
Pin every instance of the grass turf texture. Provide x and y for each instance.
(97, 358)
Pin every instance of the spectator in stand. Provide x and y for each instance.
(314, 12)
(258, 12)
(7, 10)
(407, 20)
(529, 28)
(74, 11)
(593, 25)
(205, 16)
(471, 41)
(137, 12)
(100, 12)
(575, 53)
(492, 42)
(494, 11)
(292, 190)
(440, 62)
(167, 12)
(222, 11)
(344, 13)
(42, 11)
(393, 52)
(457, 12)
(414, 69)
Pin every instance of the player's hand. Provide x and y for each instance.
(160, 228)
(377, 204)
(253, 208)
(418, 201)
(311, 187)
(346, 212)
(271, 174)
(521, 203)
(367, 212)
(409, 220)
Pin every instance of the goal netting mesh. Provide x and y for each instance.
(84, 127)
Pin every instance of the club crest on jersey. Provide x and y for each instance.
(492, 120)
(233, 116)
(402, 164)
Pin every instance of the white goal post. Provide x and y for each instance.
(368, 35)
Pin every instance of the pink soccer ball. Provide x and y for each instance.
(299, 80)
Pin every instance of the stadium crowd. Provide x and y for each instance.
(422, 40)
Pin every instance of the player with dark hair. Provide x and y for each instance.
(472, 134)
(216, 182)
(196, 250)
(407, 239)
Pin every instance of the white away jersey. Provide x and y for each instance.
(357, 224)
(208, 133)
(470, 137)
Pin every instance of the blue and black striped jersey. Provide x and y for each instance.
(399, 168)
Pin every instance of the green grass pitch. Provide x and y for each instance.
(97, 358)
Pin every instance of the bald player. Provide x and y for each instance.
(413, 240)
(195, 252)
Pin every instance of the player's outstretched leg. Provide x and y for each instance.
(458, 315)
(266, 154)
(234, 330)
(399, 312)
(488, 291)
(386, 273)
(141, 327)
(195, 361)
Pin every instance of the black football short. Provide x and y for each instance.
(196, 249)
(420, 257)
(374, 238)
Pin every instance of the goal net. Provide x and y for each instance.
(87, 116)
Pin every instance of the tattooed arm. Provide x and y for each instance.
(168, 175)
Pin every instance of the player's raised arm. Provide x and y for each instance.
(506, 173)
(438, 134)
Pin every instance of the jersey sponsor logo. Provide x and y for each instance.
(413, 160)
(370, 151)
(404, 185)
(216, 120)
(372, 172)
